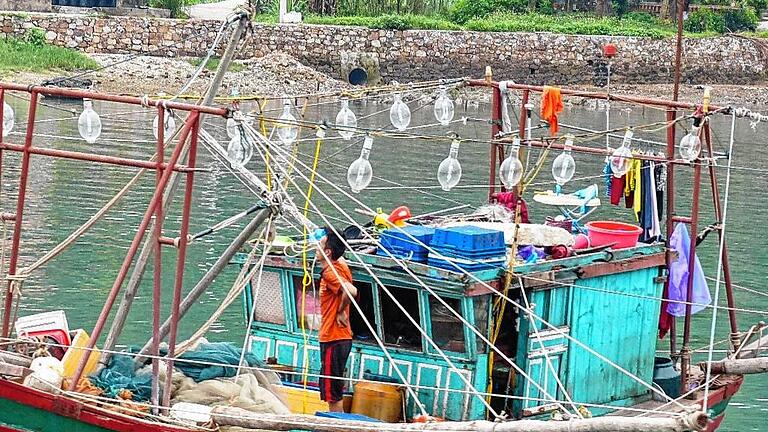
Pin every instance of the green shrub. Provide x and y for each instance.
(178, 8)
(391, 22)
(704, 20)
(570, 24)
(466, 10)
(36, 56)
(35, 36)
(744, 19)
(707, 20)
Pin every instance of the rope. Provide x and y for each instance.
(720, 259)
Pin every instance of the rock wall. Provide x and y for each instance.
(413, 55)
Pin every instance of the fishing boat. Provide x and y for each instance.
(464, 321)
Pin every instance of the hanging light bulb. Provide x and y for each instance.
(287, 131)
(8, 119)
(621, 159)
(89, 123)
(168, 122)
(511, 170)
(449, 171)
(564, 166)
(360, 171)
(346, 119)
(239, 150)
(690, 145)
(400, 114)
(232, 129)
(444, 107)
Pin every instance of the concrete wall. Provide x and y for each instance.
(404, 56)
(25, 5)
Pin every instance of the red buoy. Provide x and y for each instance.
(609, 50)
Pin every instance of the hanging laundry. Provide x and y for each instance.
(551, 106)
(509, 200)
(661, 186)
(617, 188)
(655, 230)
(680, 241)
(607, 178)
(637, 179)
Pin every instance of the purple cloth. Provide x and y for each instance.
(680, 241)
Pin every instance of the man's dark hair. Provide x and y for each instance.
(335, 243)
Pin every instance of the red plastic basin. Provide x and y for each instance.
(606, 232)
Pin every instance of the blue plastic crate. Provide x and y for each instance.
(407, 242)
(470, 239)
(404, 254)
(476, 255)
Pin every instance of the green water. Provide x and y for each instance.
(63, 194)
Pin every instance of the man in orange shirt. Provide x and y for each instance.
(336, 292)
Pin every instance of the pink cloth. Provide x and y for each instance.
(509, 200)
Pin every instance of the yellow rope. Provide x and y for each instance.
(307, 277)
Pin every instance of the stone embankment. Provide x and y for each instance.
(414, 55)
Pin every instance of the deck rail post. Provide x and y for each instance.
(20, 202)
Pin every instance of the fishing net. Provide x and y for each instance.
(243, 392)
(206, 362)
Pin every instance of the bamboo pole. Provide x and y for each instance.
(207, 279)
(147, 249)
(738, 366)
(230, 416)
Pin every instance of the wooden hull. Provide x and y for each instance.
(23, 409)
(26, 409)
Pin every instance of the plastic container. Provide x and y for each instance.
(603, 233)
(378, 400)
(407, 242)
(469, 239)
(666, 376)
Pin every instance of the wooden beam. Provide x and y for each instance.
(621, 266)
(738, 366)
(230, 416)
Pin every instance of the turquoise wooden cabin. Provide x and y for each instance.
(609, 300)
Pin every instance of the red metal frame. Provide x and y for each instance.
(183, 242)
(20, 200)
(672, 218)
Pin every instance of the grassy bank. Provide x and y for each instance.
(33, 55)
(633, 24)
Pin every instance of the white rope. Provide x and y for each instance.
(421, 283)
(721, 252)
(497, 292)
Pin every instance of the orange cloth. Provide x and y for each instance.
(551, 105)
(330, 300)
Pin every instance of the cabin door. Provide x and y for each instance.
(542, 352)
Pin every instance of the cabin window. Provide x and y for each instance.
(398, 329)
(481, 321)
(360, 329)
(268, 298)
(310, 306)
(447, 328)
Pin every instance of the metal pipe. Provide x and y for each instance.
(212, 273)
(180, 263)
(671, 145)
(719, 216)
(678, 49)
(685, 353)
(111, 160)
(20, 200)
(157, 278)
(598, 95)
(131, 100)
(123, 272)
(495, 129)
